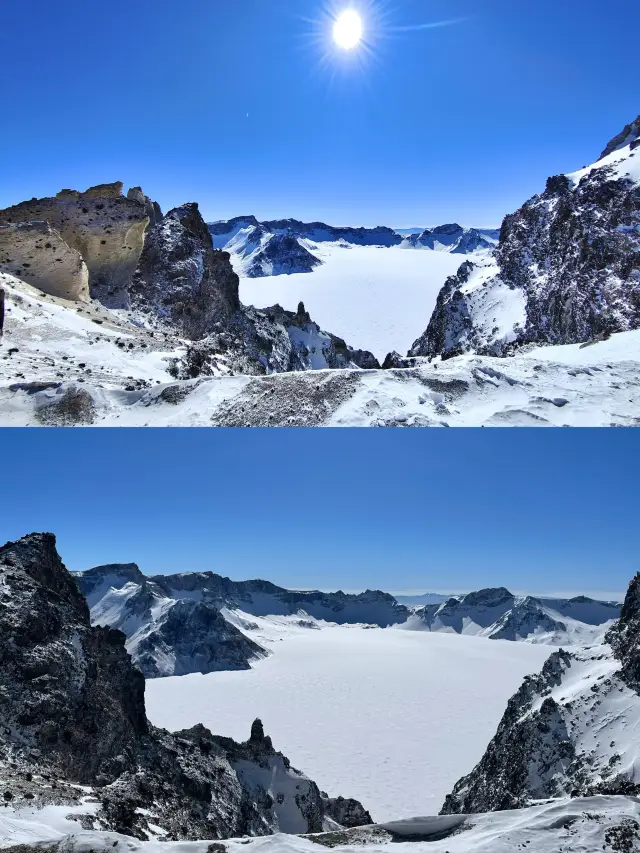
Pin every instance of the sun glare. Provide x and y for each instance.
(347, 30)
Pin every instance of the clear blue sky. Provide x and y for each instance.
(463, 122)
(547, 510)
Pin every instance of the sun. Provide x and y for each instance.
(348, 29)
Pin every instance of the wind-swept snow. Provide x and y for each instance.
(394, 717)
(581, 825)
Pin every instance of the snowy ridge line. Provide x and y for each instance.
(500, 615)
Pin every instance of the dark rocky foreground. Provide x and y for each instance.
(74, 713)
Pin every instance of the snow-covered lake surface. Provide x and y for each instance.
(391, 717)
(375, 298)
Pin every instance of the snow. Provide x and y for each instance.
(577, 825)
(390, 717)
(379, 299)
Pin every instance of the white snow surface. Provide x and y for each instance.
(390, 717)
(562, 826)
(379, 299)
(568, 385)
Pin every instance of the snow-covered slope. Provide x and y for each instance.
(544, 386)
(569, 730)
(567, 268)
(500, 615)
(582, 825)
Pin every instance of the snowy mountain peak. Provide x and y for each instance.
(499, 615)
(566, 269)
(628, 136)
(491, 597)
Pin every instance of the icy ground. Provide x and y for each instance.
(64, 364)
(582, 825)
(391, 717)
(380, 299)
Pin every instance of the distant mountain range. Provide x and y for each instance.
(286, 246)
(201, 622)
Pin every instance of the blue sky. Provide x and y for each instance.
(246, 107)
(553, 510)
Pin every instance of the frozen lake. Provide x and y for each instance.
(391, 717)
(376, 299)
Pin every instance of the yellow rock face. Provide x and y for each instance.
(106, 228)
(36, 253)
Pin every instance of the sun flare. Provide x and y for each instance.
(348, 29)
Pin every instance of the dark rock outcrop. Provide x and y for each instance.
(181, 278)
(628, 136)
(73, 712)
(282, 254)
(568, 268)
(347, 812)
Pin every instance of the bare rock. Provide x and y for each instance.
(106, 228)
(181, 278)
(37, 253)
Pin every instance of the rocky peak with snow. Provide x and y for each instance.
(624, 636)
(500, 615)
(74, 713)
(281, 254)
(455, 239)
(568, 731)
(629, 135)
(70, 694)
(567, 267)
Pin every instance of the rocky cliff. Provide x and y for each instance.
(104, 226)
(567, 268)
(36, 253)
(568, 731)
(73, 707)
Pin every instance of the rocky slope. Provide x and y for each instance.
(73, 708)
(567, 268)
(177, 624)
(36, 253)
(500, 615)
(569, 730)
